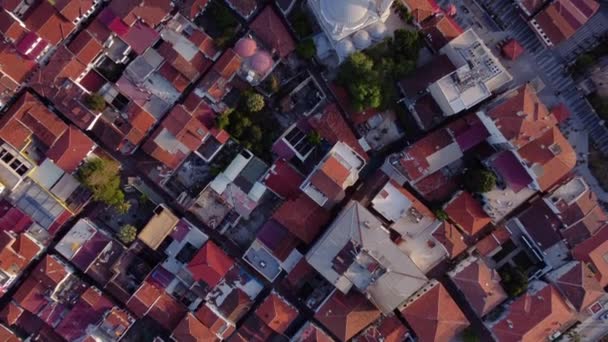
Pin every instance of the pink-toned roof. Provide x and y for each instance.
(277, 313)
(332, 127)
(303, 217)
(534, 317)
(245, 47)
(467, 213)
(346, 315)
(512, 49)
(434, 316)
(553, 154)
(210, 264)
(70, 149)
(480, 286)
(592, 252)
(271, 30)
(579, 286)
(562, 18)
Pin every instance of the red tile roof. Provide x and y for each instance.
(332, 127)
(152, 12)
(167, 311)
(85, 47)
(9, 27)
(217, 325)
(27, 117)
(236, 304)
(552, 154)
(579, 286)
(276, 312)
(311, 333)
(346, 315)
(20, 67)
(303, 217)
(271, 30)
(30, 295)
(210, 264)
(45, 21)
(70, 149)
(73, 9)
(205, 43)
(467, 213)
(11, 313)
(434, 316)
(512, 49)
(562, 18)
(521, 116)
(450, 237)
(387, 329)
(178, 134)
(421, 9)
(50, 271)
(192, 8)
(593, 253)
(228, 64)
(283, 179)
(252, 330)
(190, 329)
(480, 286)
(13, 219)
(415, 164)
(143, 299)
(440, 30)
(534, 317)
(561, 112)
(491, 242)
(7, 335)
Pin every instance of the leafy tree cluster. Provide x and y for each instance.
(514, 281)
(95, 102)
(440, 214)
(479, 180)
(370, 76)
(402, 11)
(300, 23)
(225, 21)
(101, 176)
(127, 234)
(306, 49)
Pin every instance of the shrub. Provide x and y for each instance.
(127, 234)
(440, 214)
(95, 102)
(314, 138)
(255, 103)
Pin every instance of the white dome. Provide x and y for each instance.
(362, 40)
(346, 12)
(377, 30)
(345, 47)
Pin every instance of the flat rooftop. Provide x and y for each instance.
(263, 261)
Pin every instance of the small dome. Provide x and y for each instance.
(245, 47)
(261, 62)
(345, 47)
(377, 30)
(362, 40)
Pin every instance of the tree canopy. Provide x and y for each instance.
(101, 176)
(479, 180)
(255, 102)
(127, 234)
(306, 49)
(95, 102)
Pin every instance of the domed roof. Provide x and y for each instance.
(261, 62)
(245, 47)
(362, 39)
(345, 47)
(377, 30)
(346, 12)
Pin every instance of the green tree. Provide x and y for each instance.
(95, 102)
(101, 176)
(255, 102)
(365, 95)
(514, 281)
(256, 133)
(306, 49)
(358, 65)
(314, 138)
(405, 45)
(440, 214)
(469, 335)
(223, 120)
(584, 63)
(479, 180)
(127, 234)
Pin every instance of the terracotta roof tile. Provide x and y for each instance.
(70, 149)
(47, 23)
(421, 9)
(252, 330)
(593, 253)
(50, 271)
(210, 264)
(448, 235)
(7, 335)
(302, 217)
(552, 155)
(167, 311)
(228, 64)
(217, 325)
(387, 329)
(190, 329)
(277, 313)
(85, 47)
(491, 242)
(143, 299)
(192, 8)
(205, 43)
(346, 315)
(534, 317)
(28, 116)
(467, 213)
(562, 18)
(332, 127)
(152, 12)
(271, 30)
(9, 27)
(480, 286)
(73, 9)
(512, 49)
(415, 164)
(579, 286)
(20, 68)
(283, 179)
(440, 30)
(312, 333)
(434, 316)
(10, 313)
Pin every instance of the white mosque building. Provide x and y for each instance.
(349, 25)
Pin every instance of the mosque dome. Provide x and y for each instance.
(261, 62)
(362, 40)
(377, 30)
(245, 47)
(345, 47)
(348, 13)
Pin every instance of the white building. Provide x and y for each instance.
(349, 25)
(478, 74)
